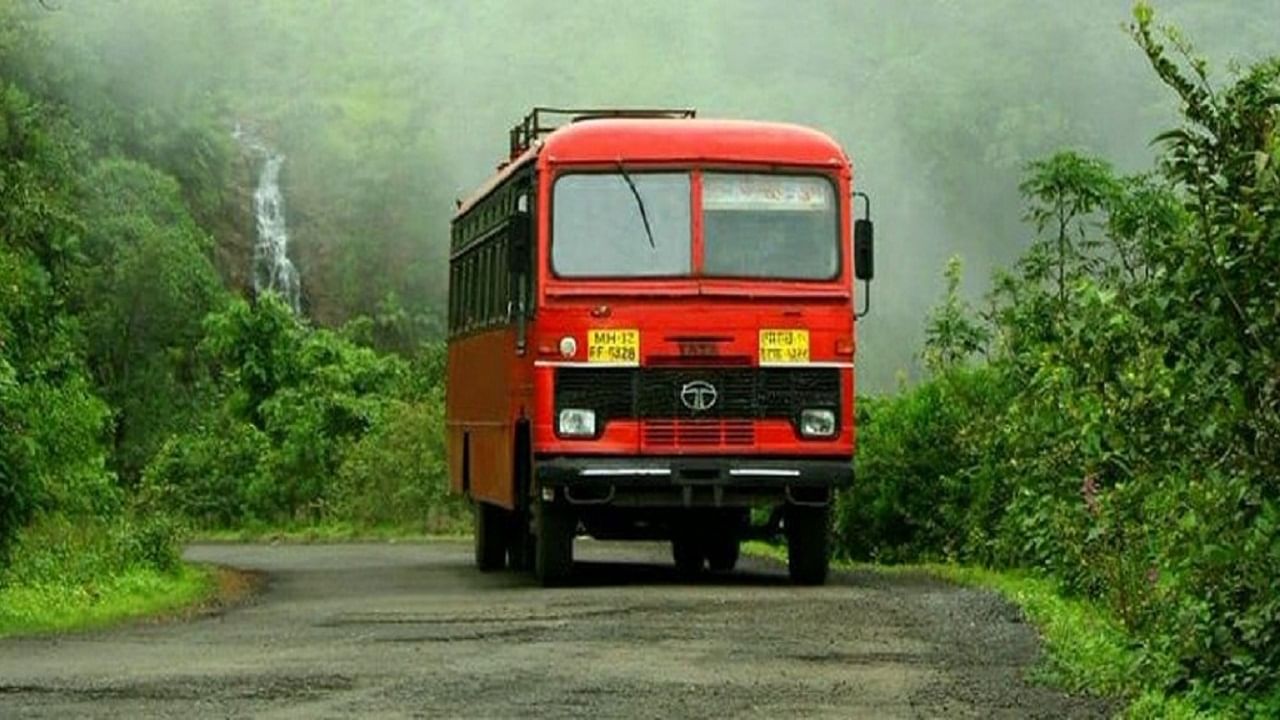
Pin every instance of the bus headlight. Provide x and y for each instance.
(575, 422)
(817, 423)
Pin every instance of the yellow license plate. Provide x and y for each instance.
(614, 346)
(784, 346)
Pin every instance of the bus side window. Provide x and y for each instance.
(520, 257)
(460, 295)
(477, 290)
(461, 262)
(482, 301)
(490, 284)
(500, 280)
(469, 290)
(496, 300)
(453, 298)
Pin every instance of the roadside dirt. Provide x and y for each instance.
(411, 630)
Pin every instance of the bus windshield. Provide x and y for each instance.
(766, 226)
(599, 231)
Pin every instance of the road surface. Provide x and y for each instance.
(412, 630)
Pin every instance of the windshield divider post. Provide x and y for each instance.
(696, 248)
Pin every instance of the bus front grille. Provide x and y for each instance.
(698, 433)
(658, 396)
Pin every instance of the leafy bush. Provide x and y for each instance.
(211, 474)
(311, 428)
(396, 474)
(909, 501)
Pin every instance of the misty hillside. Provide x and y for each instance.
(386, 112)
(224, 230)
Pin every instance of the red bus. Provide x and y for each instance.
(652, 335)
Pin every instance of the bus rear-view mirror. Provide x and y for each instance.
(864, 249)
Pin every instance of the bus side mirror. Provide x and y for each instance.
(864, 249)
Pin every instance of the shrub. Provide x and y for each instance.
(209, 475)
(312, 428)
(909, 500)
(397, 475)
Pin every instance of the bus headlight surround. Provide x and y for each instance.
(817, 423)
(576, 422)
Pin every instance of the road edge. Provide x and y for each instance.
(1085, 649)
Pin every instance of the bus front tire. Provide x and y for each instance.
(722, 554)
(555, 527)
(490, 537)
(808, 544)
(686, 551)
(520, 542)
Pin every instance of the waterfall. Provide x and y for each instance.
(272, 269)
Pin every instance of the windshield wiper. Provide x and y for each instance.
(644, 216)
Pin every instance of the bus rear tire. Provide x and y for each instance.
(555, 527)
(808, 544)
(490, 536)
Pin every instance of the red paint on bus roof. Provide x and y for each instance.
(632, 140)
(665, 140)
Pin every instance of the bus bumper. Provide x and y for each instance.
(683, 481)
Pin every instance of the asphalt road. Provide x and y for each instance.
(412, 630)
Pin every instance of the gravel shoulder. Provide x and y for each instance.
(412, 630)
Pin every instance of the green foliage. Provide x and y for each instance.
(94, 276)
(132, 389)
(396, 475)
(1124, 437)
(952, 335)
(255, 348)
(89, 571)
(51, 422)
(141, 296)
(76, 553)
(941, 105)
(908, 502)
(312, 428)
(210, 474)
(133, 593)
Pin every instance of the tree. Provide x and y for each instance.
(143, 295)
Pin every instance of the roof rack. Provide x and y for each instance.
(532, 127)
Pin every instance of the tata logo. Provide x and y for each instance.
(698, 395)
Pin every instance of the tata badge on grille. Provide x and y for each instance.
(699, 395)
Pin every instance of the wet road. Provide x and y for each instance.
(412, 630)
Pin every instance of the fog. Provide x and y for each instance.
(388, 111)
